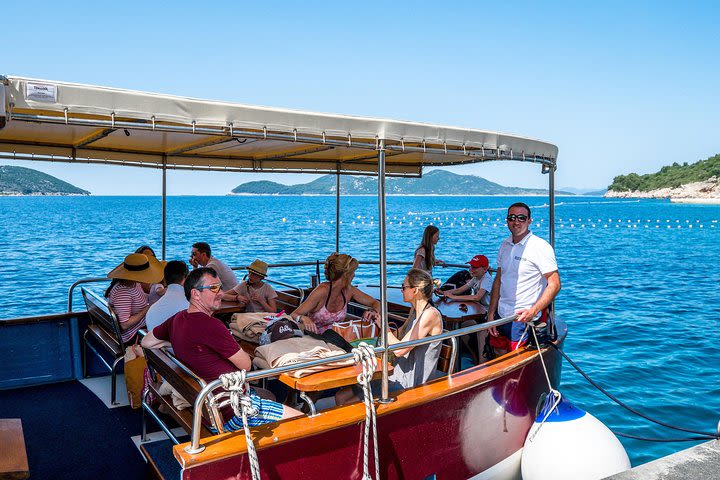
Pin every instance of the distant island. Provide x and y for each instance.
(435, 182)
(698, 182)
(26, 181)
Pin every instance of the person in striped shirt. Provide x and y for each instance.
(125, 293)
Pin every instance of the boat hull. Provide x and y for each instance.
(457, 427)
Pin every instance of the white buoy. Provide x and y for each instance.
(570, 444)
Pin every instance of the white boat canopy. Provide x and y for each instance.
(44, 120)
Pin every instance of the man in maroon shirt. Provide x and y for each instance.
(205, 345)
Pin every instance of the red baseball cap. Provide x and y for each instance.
(479, 261)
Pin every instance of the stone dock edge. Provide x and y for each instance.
(700, 462)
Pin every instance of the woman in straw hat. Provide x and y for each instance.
(328, 303)
(155, 291)
(126, 295)
(254, 294)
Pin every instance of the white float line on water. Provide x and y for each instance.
(469, 222)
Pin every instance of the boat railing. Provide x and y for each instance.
(313, 263)
(195, 446)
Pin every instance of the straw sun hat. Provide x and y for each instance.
(138, 268)
(259, 267)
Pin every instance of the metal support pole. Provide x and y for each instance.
(551, 193)
(551, 227)
(337, 211)
(384, 398)
(164, 204)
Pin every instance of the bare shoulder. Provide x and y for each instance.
(321, 290)
(432, 317)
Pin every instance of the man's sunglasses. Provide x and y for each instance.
(520, 218)
(214, 288)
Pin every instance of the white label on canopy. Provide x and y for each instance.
(41, 92)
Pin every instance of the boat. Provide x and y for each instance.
(470, 423)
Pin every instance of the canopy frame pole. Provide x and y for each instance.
(164, 205)
(551, 195)
(337, 210)
(384, 393)
(551, 228)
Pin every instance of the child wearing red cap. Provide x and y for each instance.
(480, 283)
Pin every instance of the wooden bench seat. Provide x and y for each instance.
(106, 340)
(13, 457)
(104, 330)
(185, 383)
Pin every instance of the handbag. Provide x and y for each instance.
(352, 330)
(135, 366)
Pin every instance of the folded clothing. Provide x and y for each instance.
(295, 350)
(249, 326)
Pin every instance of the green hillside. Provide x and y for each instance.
(671, 176)
(26, 181)
(435, 182)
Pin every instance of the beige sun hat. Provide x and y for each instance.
(259, 267)
(139, 268)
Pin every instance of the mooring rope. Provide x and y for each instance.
(242, 405)
(703, 435)
(364, 356)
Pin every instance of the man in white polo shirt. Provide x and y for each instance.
(526, 282)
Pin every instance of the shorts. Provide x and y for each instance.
(268, 412)
(504, 343)
(517, 334)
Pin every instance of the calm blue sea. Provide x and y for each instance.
(640, 279)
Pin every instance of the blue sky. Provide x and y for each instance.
(618, 86)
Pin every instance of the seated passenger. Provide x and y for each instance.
(125, 293)
(254, 294)
(328, 302)
(479, 286)
(174, 299)
(201, 256)
(154, 290)
(477, 289)
(206, 346)
(412, 365)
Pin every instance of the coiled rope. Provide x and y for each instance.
(701, 435)
(364, 356)
(242, 405)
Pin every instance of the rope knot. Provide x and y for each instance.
(240, 399)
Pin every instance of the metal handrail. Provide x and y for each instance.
(301, 292)
(196, 447)
(80, 282)
(313, 263)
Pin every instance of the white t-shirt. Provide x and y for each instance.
(484, 283)
(523, 266)
(225, 274)
(169, 304)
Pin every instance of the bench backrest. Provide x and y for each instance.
(102, 314)
(287, 300)
(447, 355)
(181, 378)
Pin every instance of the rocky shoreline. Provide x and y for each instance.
(707, 191)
